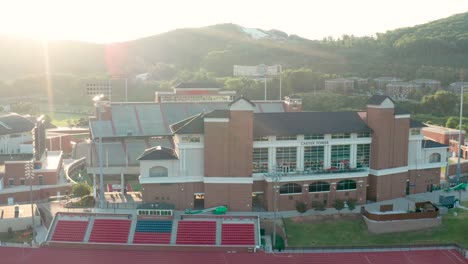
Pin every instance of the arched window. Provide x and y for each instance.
(290, 188)
(158, 171)
(346, 185)
(319, 187)
(434, 157)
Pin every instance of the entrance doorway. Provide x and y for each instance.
(258, 202)
(198, 201)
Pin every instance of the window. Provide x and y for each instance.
(265, 138)
(312, 137)
(434, 157)
(290, 188)
(363, 156)
(286, 138)
(341, 135)
(319, 187)
(286, 158)
(260, 160)
(22, 181)
(158, 171)
(11, 182)
(313, 158)
(190, 139)
(415, 131)
(41, 179)
(346, 185)
(340, 157)
(363, 135)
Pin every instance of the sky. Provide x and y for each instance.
(106, 21)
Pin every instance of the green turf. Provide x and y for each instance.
(65, 119)
(17, 237)
(354, 233)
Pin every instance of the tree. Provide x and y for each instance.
(81, 189)
(452, 122)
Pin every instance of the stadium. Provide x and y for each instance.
(199, 147)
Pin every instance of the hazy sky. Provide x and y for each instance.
(119, 20)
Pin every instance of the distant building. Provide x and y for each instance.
(17, 217)
(400, 90)
(428, 83)
(456, 87)
(195, 92)
(15, 134)
(381, 82)
(345, 85)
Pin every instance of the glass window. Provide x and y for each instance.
(346, 185)
(286, 158)
(341, 135)
(311, 137)
(319, 187)
(11, 182)
(190, 139)
(265, 138)
(22, 181)
(260, 160)
(340, 157)
(363, 135)
(313, 158)
(363, 156)
(41, 180)
(290, 188)
(158, 171)
(434, 157)
(286, 138)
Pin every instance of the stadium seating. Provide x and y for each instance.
(196, 233)
(152, 232)
(238, 234)
(70, 231)
(110, 231)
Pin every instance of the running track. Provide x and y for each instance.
(10, 255)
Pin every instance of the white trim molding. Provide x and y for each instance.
(318, 177)
(402, 116)
(435, 165)
(237, 180)
(178, 179)
(390, 171)
(216, 120)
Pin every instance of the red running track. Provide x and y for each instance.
(9, 255)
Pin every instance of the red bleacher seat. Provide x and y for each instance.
(151, 238)
(70, 231)
(196, 233)
(238, 234)
(110, 231)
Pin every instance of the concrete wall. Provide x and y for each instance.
(179, 194)
(39, 193)
(18, 224)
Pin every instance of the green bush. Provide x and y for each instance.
(301, 207)
(318, 206)
(81, 189)
(279, 245)
(338, 204)
(351, 204)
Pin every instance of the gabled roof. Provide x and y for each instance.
(242, 98)
(426, 143)
(14, 123)
(416, 124)
(192, 85)
(299, 123)
(378, 99)
(158, 153)
(195, 124)
(176, 126)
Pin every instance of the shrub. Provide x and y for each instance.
(279, 245)
(351, 204)
(301, 207)
(318, 206)
(338, 204)
(81, 189)
(10, 232)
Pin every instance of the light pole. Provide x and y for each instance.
(460, 135)
(276, 177)
(99, 104)
(29, 171)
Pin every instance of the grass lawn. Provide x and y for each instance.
(64, 119)
(17, 237)
(354, 233)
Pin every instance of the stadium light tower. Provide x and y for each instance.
(99, 108)
(29, 173)
(276, 177)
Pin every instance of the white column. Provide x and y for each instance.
(271, 158)
(353, 155)
(300, 158)
(122, 183)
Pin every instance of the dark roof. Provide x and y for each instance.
(416, 124)
(191, 85)
(158, 153)
(426, 143)
(195, 124)
(14, 123)
(378, 99)
(176, 126)
(297, 123)
(217, 114)
(242, 97)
